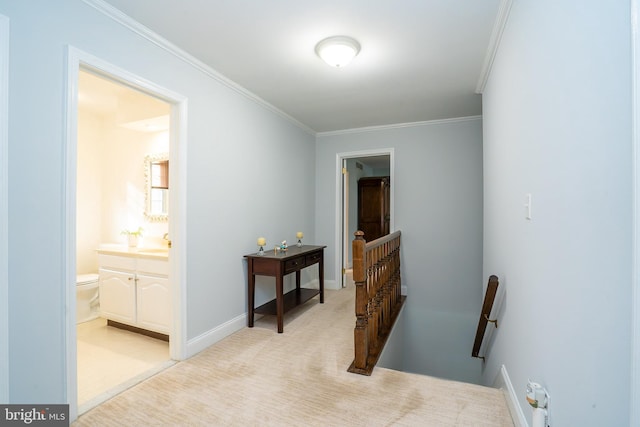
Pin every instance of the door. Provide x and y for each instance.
(373, 207)
(153, 303)
(118, 296)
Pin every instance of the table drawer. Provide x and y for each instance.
(264, 266)
(294, 264)
(313, 258)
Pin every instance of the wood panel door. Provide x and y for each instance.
(373, 207)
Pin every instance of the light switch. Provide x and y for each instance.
(527, 206)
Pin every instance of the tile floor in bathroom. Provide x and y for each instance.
(110, 360)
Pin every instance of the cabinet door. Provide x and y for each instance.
(154, 303)
(118, 296)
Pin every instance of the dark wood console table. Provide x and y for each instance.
(279, 265)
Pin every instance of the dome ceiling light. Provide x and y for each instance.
(337, 51)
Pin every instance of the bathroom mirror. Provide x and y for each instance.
(156, 173)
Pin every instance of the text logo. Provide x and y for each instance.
(34, 415)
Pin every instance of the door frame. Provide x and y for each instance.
(341, 239)
(634, 415)
(76, 60)
(345, 222)
(4, 208)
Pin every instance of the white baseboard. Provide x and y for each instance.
(331, 284)
(315, 284)
(202, 341)
(503, 382)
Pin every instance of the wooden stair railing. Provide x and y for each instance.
(376, 273)
(487, 305)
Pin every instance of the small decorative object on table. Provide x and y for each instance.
(261, 243)
(283, 246)
(299, 236)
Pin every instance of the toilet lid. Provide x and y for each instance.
(83, 279)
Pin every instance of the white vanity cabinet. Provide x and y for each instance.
(118, 295)
(135, 291)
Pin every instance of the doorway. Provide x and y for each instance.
(78, 63)
(119, 128)
(351, 167)
(4, 207)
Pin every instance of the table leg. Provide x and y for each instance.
(279, 302)
(251, 290)
(321, 276)
(298, 287)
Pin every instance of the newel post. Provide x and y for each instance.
(360, 332)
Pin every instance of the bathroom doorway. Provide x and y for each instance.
(120, 127)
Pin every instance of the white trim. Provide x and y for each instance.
(77, 59)
(634, 392)
(338, 193)
(332, 284)
(69, 231)
(503, 382)
(207, 339)
(178, 228)
(397, 126)
(159, 41)
(347, 263)
(212, 336)
(4, 208)
(101, 398)
(494, 42)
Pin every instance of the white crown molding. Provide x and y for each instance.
(397, 126)
(494, 43)
(156, 39)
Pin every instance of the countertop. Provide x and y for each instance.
(160, 253)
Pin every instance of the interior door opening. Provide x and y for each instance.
(81, 65)
(118, 129)
(355, 166)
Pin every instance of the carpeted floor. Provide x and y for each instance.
(257, 377)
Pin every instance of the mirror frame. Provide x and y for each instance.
(150, 216)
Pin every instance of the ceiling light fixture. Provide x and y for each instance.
(337, 51)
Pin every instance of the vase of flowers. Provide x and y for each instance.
(133, 237)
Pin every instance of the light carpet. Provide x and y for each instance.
(257, 377)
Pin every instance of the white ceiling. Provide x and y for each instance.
(120, 105)
(420, 59)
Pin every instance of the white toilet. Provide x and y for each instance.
(87, 297)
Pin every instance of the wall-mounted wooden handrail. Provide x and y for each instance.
(487, 305)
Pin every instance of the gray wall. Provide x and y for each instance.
(557, 124)
(438, 207)
(236, 152)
